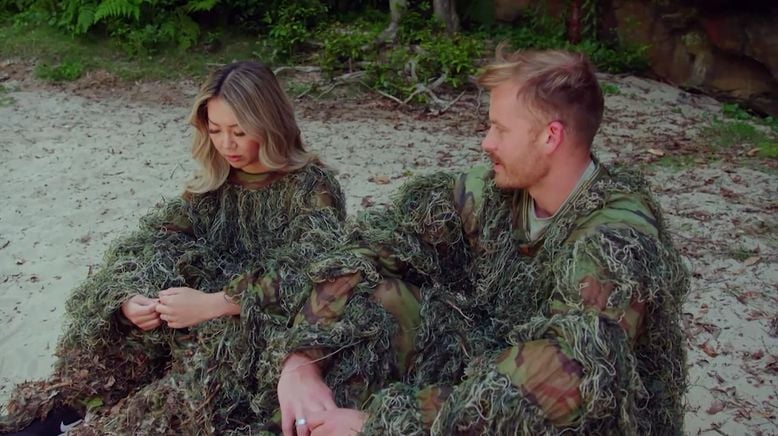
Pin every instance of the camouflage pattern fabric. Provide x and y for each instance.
(198, 380)
(577, 330)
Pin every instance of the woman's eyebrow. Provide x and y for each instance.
(215, 124)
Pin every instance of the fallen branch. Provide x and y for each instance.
(428, 89)
(354, 76)
(350, 77)
(389, 96)
(448, 106)
(298, 69)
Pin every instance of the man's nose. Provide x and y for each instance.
(487, 144)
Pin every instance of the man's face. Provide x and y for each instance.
(514, 142)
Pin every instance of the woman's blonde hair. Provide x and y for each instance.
(263, 111)
(554, 84)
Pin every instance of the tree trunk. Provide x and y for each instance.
(397, 9)
(574, 23)
(446, 11)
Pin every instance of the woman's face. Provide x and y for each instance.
(230, 140)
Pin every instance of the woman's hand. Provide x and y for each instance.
(186, 307)
(337, 422)
(141, 311)
(301, 393)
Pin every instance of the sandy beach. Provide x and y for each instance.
(79, 168)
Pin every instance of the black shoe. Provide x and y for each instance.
(58, 422)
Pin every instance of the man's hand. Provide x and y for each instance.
(337, 422)
(141, 311)
(186, 307)
(301, 393)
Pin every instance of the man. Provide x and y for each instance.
(538, 296)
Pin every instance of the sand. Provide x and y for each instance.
(79, 168)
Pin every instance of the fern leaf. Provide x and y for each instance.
(200, 5)
(86, 18)
(117, 8)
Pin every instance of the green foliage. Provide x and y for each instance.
(609, 89)
(539, 30)
(479, 12)
(45, 44)
(735, 111)
(117, 9)
(769, 149)
(344, 46)
(739, 127)
(142, 26)
(340, 35)
(291, 26)
(201, 5)
(422, 54)
(677, 162)
(741, 253)
(453, 56)
(772, 123)
(590, 19)
(92, 403)
(23, 12)
(5, 99)
(613, 60)
(66, 71)
(743, 133)
(732, 133)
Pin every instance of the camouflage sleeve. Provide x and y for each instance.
(96, 336)
(420, 236)
(399, 240)
(139, 263)
(546, 370)
(174, 218)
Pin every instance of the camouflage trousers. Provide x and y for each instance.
(402, 301)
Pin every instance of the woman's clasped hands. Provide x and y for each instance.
(178, 308)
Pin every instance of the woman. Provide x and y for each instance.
(165, 337)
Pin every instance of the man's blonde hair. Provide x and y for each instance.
(555, 85)
(263, 111)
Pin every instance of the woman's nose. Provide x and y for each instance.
(228, 142)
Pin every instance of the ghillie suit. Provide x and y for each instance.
(576, 330)
(197, 380)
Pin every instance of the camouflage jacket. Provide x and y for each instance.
(576, 330)
(251, 225)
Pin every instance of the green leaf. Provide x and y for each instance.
(200, 5)
(93, 403)
(118, 8)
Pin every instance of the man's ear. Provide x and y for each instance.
(553, 136)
